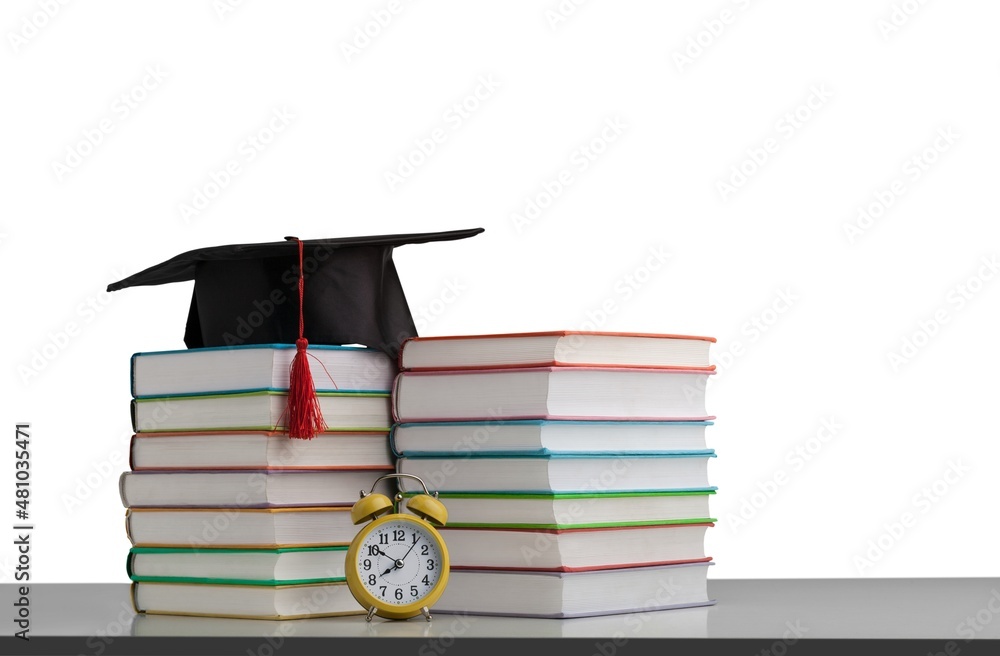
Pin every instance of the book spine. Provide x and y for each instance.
(392, 442)
(134, 600)
(121, 490)
(131, 452)
(128, 526)
(394, 403)
(132, 374)
(132, 411)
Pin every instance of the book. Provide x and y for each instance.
(557, 348)
(692, 623)
(575, 594)
(546, 437)
(220, 528)
(582, 510)
(258, 410)
(259, 366)
(279, 602)
(285, 566)
(258, 450)
(571, 550)
(688, 471)
(551, 393)
(247, 488)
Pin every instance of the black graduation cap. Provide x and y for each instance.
(248, 293)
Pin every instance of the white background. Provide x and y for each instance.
(879, 95)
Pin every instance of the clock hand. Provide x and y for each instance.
(399, 563)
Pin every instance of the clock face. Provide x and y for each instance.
(399, 562)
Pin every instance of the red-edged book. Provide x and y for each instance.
(565, 348)
(575, 550)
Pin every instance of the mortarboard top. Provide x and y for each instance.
(248, 293)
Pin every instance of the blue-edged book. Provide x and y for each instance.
(536, 437)
(600, 472)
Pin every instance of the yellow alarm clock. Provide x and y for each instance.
(397, 566)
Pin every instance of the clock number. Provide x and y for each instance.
(372, 549)
(426, 580)
(415, 537)
(424, 549)
(368, 564)
(371, 579)
(383, 538)
(430, 563)
(398, 535)
(399, 593)
(413, 591)
(382, 588)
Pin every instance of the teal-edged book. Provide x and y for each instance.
(534, 437)
(288, 566)
(604, 472)
(257, 410)
(257, 367)
(554, 511)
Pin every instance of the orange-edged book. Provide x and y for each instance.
(262, 450)
(575, 550)
(566, 348)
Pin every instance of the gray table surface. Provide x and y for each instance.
(947, 609)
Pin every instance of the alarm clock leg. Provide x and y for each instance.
(371, 614)
(427, 613)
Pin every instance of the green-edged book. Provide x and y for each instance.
(286, 566)
(558, 511)
(257, 410)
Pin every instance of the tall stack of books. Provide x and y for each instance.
(227, 515)
(573, 466)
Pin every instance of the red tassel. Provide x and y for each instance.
(305, 418)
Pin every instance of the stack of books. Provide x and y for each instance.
(227, 515)
(573, 466)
